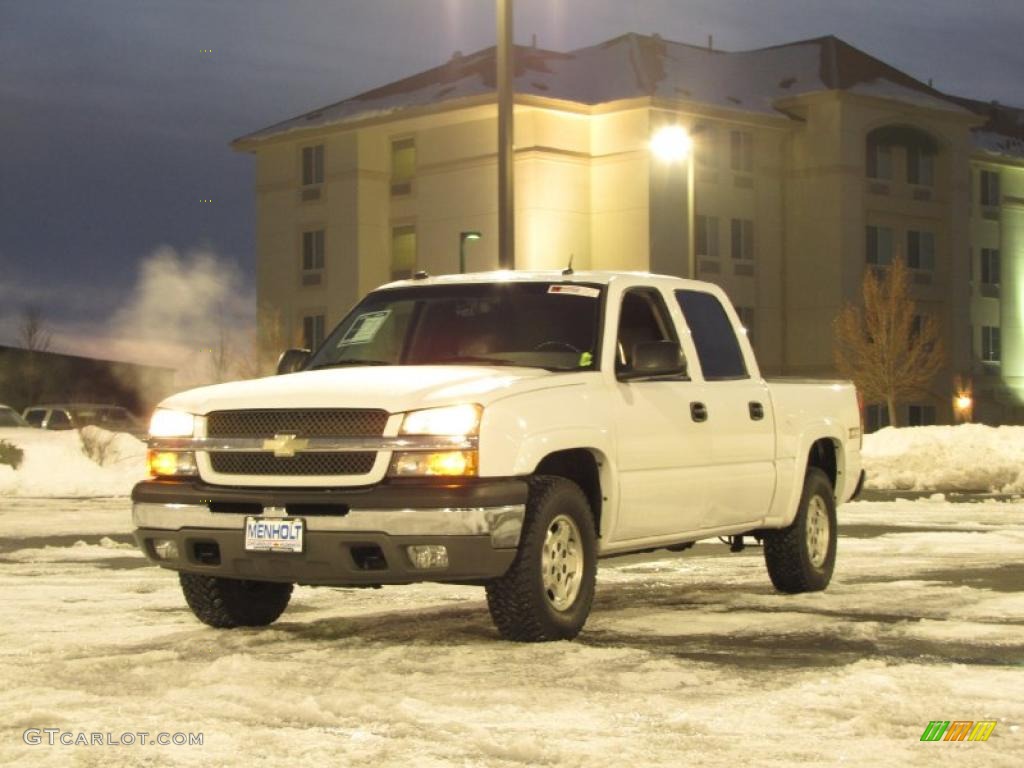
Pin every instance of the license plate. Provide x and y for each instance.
(274, 534)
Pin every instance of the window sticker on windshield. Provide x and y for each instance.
(575, 290)
(364, 328)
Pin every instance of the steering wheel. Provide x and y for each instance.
(565, 344)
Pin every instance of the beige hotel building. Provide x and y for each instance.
(812, 162)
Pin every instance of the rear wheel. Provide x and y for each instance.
(227, 603)
(547, 592)
(801, 558)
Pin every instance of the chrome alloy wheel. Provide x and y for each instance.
(818, 533)
(562, 563)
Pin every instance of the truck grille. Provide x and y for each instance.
(301, 464)
(324, 422)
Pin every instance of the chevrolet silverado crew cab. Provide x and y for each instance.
(504, 430)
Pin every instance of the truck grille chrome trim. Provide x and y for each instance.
(318, 444)
(503, 523)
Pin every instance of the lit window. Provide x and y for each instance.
(403, 252)
(403, 166)
(920, 166)
(313, 250)
(879, 246)
(742, 239)
(989, 188)
(707, 236)
(879, 165)
(741, 151)
(313, 165)
(920, 250)
(312, 331)
(990, 266)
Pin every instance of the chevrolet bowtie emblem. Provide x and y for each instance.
(285, 446)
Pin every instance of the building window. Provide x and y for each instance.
(920, 415)
(920, 166)
(920, 250)
(990, 351)
(313, 250)
(876, 416)
(989, 188)
(313, 165)
(403, 166)
(879, 246)
(879, 163)
(706, 236)
(312, 331)
(746, 315)
(741, 151)
(707, 153)
(742, 239)
(403, 252)
(990, 266)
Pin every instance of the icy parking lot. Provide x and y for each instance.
(686, 659)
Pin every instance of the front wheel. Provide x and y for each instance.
(547, 592)
(801, 558)
(227, 603)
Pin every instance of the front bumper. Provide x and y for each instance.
(479, 523)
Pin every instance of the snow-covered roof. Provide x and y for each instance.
(634, 66)
(1002, 135)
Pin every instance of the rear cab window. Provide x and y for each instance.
(35, 417)
(718, 349)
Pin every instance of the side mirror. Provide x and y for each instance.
(652, 359)
(292, 360)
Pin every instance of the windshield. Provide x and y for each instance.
(102, 417)
(10, 418)
(537, 325)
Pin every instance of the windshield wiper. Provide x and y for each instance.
(475, 359)
(345, 363)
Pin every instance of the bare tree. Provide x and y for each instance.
(889, 350)
(33, 332)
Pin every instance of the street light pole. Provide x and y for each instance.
(506, 187)
(672, 144)
(463, 237)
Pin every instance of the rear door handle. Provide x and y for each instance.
(698, 412)
(756, 411)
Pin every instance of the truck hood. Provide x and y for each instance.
(393, 388)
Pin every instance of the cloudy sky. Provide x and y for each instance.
(114, 121)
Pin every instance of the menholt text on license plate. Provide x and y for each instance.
(277, 534)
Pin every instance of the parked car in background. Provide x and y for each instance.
(11, 418)
(60, 416)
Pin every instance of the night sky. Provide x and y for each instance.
(115, 122)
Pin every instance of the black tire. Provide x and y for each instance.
(794, 563)
(227, 603)
(522, 607)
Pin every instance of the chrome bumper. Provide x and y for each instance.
(503, 524)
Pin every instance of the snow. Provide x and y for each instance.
(91, 463)
(686, 659)
(966, 457)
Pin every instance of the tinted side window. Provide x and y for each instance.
(59, 420)
(713, 335)
(35, 418)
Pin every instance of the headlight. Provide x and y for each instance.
(169, 423)
(451, 420)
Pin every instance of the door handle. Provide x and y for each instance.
(756, 411)
(698, 412)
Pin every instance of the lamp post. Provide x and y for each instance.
(673, 144)
(463, 237)
(505, 53)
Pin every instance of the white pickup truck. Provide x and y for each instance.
(505, 430)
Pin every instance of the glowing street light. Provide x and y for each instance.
(672, 144)
(463, 237)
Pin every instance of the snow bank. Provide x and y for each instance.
(967, 457)
(93, 463)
